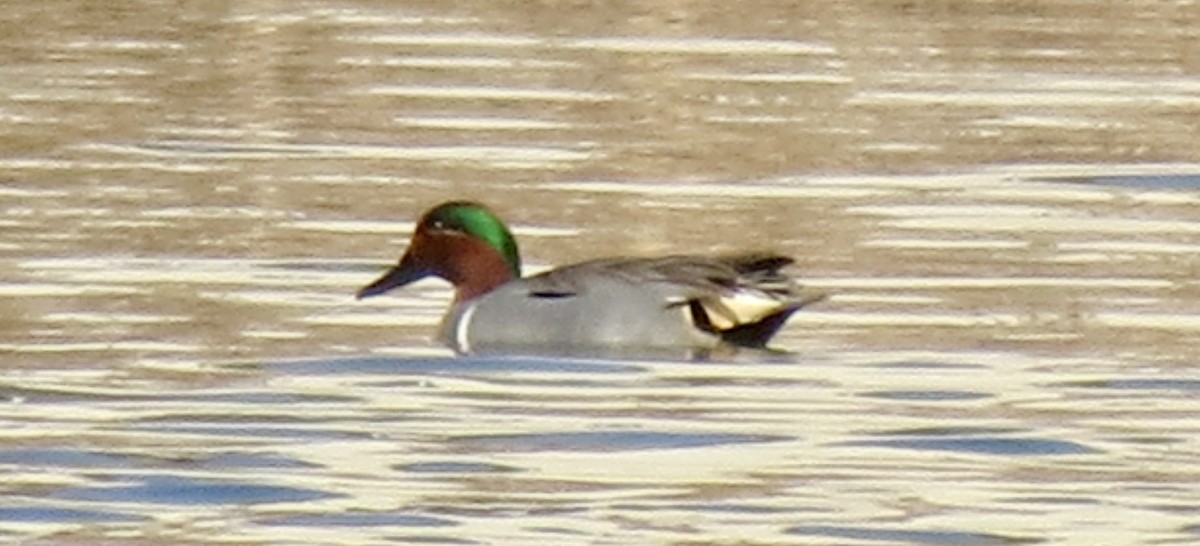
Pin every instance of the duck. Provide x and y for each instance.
(690, 303)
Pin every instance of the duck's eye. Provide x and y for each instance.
(438, 225)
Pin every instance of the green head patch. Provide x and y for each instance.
(476, 221)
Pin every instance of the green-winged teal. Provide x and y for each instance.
(672, 303)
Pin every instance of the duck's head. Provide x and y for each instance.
(460, 241)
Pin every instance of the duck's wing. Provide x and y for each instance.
(690, 272)
(734, 289)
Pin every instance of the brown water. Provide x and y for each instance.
(1000, 197)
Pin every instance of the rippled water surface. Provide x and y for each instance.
(1001, 200)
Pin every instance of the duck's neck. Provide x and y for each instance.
(475, 268)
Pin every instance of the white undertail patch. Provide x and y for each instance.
(740, 307)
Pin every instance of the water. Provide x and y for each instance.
(1000, 200)
(930, 447)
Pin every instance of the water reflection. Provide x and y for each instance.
(741, 441)
(904, 536)
(183, 490)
